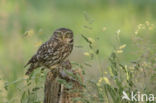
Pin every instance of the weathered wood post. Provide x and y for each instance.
(55, 92)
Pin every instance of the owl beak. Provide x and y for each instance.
(63, 37)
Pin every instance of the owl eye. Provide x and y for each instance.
(59, 33)
(68, 35)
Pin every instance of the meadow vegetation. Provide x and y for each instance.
(114, 46)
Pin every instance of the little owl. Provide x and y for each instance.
(53, 52)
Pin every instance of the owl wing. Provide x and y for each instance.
(49, 51)
(32, 60)
(41, 52)
(44, 52)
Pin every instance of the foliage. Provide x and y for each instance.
(110, 63)
(117, 77)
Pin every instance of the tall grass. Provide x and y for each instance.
(114, 78)
(110, 63)
(135, 76)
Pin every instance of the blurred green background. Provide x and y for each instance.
(25, 24)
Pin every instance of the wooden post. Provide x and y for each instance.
(52, 89)
(55, 92)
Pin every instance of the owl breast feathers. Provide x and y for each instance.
(53, 52)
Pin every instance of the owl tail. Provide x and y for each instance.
(30, 70)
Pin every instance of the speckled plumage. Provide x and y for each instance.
(53, 52)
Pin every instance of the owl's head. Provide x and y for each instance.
(63, 35)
